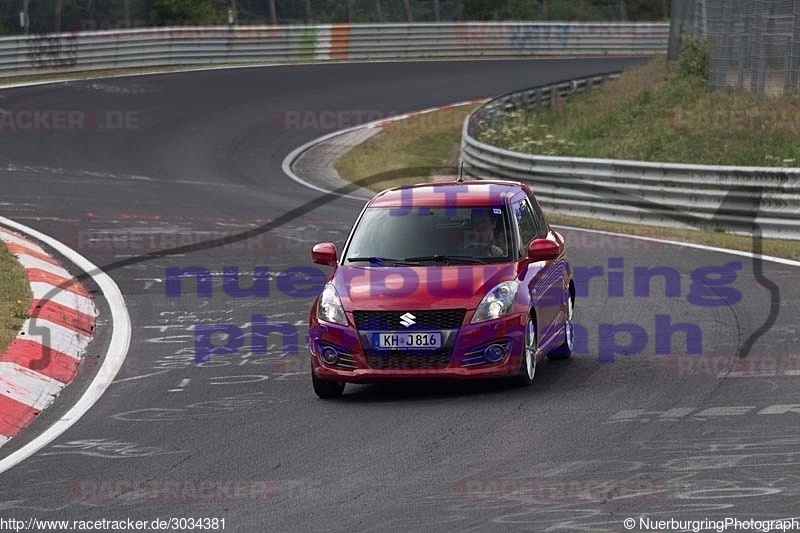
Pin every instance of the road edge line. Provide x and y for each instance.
(112, 362)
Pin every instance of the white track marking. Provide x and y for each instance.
(707, 248)
(59, 338)
(28, 387)
(10, 237)
(288, 161)
(29, 261)
(112, 362)
(51, 293)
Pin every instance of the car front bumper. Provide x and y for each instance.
(465, 360)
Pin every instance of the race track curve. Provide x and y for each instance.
(596, 440)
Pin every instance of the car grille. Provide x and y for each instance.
(440, 319)
(448, 321)
(346, 361)
(408, 361)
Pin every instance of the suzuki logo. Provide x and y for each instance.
(408, 320)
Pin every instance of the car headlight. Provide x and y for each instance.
(330, 307)
(497, 303)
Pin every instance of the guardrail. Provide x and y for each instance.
(749, 200)
(157, 47)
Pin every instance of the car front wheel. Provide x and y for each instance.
(565, 350)
(527, 366)
(326, 388)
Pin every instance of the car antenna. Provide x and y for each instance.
(460, 173)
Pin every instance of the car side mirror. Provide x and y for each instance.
(543, 250)
(324, 253)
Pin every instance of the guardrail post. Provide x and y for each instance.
(794, 41)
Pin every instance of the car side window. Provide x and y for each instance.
(538, 219)
(525, 222)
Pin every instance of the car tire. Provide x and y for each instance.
(566, 349)
(527, 364)
(326, 388)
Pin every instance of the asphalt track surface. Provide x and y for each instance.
(569, 453)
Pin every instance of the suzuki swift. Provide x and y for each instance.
(457, 280)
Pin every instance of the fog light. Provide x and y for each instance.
(494, 352)
(329, 355)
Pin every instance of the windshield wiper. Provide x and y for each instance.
(381, 261)
(447, 259)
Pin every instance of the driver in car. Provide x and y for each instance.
(484, 226)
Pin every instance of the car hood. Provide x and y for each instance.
(429, 287)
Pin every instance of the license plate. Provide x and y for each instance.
(424, 340)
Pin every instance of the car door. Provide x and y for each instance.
(544, 279)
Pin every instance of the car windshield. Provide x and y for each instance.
(436, 234)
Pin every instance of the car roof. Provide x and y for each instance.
(451, 193)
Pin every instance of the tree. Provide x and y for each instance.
(564, 9)
(202, 11)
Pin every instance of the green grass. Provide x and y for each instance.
(429, 142)
(15, 297)
(412, 143)
(652, 114)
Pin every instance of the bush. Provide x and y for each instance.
(693, 63)
(188, 11)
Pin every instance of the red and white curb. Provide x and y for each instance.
(35, 368)
(288, 161)
(396, 118)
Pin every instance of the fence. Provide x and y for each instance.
(752, 200)
(755, 44)
(155, 47)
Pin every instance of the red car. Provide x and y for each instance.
(449, 280)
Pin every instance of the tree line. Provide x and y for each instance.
(72, 15)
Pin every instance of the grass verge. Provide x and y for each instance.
(654, 113)
(429, 141)
(15, 297)
(434, 142)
